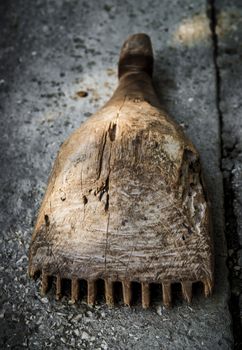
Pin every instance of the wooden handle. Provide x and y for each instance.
(136, 55)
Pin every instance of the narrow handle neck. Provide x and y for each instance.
(135, 86)
(135, 71)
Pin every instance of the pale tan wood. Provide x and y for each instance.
(208, 287)
(187, 291)
(75, 289)
(127, 295)
(58, 287)
(109, 292)
(125, 199)
(44, 283)
(145, 289)
(166, 294)
(91, 292)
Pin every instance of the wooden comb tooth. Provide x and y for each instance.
(33, 272)
(145, 295)
(166, 294)
(91, 292)
(58, 288)
(75, 289)
(109, 292)
(126, 286)
(208, 286)
(187, 290)
(44, 283)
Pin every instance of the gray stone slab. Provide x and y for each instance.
(51, 50)
(229, 31)
(229, 38)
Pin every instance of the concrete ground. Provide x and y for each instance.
(52, 49)
(229, 83)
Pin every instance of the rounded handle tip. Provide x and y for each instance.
(136, 55)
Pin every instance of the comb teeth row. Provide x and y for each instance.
(166, 287)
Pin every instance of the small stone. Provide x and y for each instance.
(82, 93)
(77, 333)
(159, 310)
(76, 318)
(89, 314)
(44, 300)
(104, 345)
(86, 319)
(85, 335)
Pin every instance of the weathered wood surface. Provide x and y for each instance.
(125, 200)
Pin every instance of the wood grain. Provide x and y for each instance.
(125, 200)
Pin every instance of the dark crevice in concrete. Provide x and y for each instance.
(231, 229)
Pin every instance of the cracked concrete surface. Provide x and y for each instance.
(53, 52)
(229, 52)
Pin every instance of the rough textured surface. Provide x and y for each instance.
(73, 47)
(125, 200)
(229, 53)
